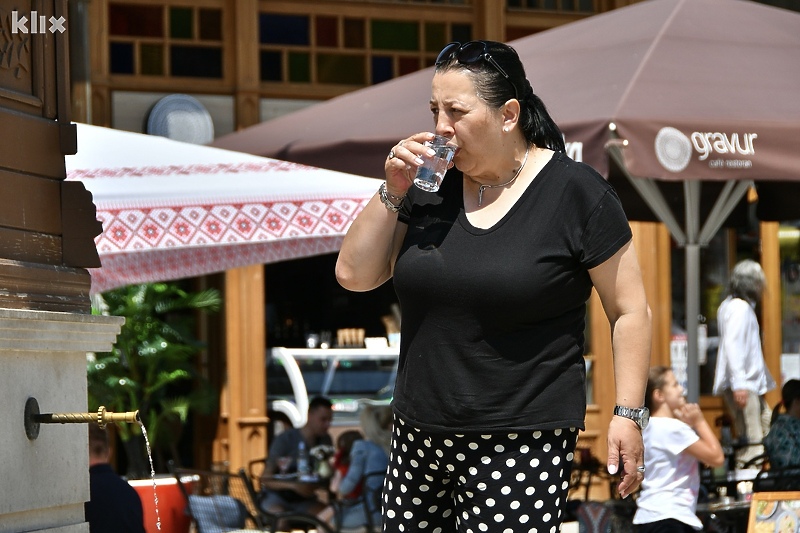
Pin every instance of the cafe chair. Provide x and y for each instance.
(594, 517)
(255, 469)
(222, 502)
(369, 501)
(219, 502)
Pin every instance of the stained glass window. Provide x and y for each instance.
(348, 50)
(284, 29)
(142, 37)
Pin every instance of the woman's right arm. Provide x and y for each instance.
(707, 449)
(370, 247)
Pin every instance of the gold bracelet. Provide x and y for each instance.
(384, 195)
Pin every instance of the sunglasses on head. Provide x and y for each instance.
(469, 53)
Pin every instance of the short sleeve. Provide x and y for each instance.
(679, 438)
(606, 231)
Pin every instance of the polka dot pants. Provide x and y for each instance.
(472, 483)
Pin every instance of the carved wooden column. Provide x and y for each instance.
(242, 430)
(489, 20)
(247, 63)
(47, 225)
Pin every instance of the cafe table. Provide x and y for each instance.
(731, 513)
(301, 485)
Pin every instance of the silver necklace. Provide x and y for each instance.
(481, 187)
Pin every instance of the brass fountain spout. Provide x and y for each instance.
(33, 418)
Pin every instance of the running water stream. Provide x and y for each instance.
(152, 473)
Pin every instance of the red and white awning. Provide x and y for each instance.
(173, 210)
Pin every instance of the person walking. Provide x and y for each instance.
(741, 374)
(493, 272)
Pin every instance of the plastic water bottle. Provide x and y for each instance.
(303, 464)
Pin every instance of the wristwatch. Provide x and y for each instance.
(640, 415)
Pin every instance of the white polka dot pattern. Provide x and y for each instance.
(509, 483)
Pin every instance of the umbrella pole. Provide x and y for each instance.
(692, 321)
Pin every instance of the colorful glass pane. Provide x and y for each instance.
(151, 59)
(355, 34)
(461, 33)
(435, 37)
(299, 67)
(180, 22)
(121, 58)
(271, 66)
(327, 31)
(381, 69)
(210, 24)
(395, 35)
(284, 29)
(126, 20)
(196, 61)
(341, 69)
(407, 65)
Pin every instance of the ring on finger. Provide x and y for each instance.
(391, 154)
(640, 469)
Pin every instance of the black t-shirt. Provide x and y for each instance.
(114, 506)
(493, 319)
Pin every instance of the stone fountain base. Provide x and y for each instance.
(45, 481)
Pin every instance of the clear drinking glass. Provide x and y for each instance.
(430, 175)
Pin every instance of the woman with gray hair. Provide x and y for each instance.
(742, 377)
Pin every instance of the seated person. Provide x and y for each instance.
(782, 443)
(369, 455)
(114, 506)
(341, 461)
(676, 438)
(278, 495)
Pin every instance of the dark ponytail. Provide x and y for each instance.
(539, 128)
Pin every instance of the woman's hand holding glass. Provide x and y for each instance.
(402, 163)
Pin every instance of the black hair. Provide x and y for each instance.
(790, 393)
(319, 401)
(494, 89)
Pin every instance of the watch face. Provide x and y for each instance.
(645, 418)
(640, 415)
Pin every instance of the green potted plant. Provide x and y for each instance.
(151, 367)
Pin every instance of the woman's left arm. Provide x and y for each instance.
(619, 284)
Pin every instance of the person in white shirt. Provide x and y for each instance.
(741, 375)
(676, 438)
